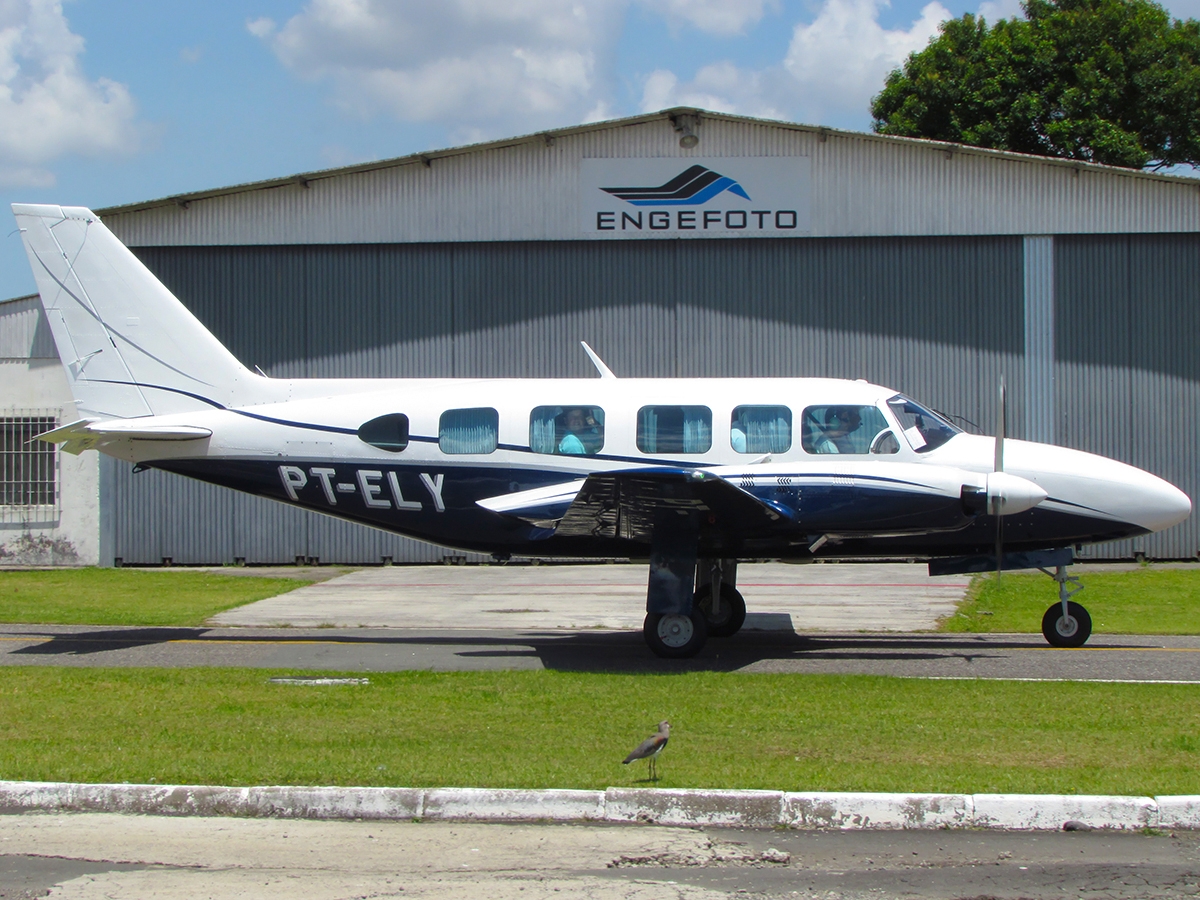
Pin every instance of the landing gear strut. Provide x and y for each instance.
(1066, 623)
(723, 607)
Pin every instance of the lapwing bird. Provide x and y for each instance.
(651, 747)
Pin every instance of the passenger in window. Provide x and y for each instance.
(737, 436)
(840, 423)
(581, 437)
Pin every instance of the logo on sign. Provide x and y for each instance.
(720, 196)
(691, 187)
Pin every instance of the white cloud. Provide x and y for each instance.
(994, 10)
(48, 107)
(714, 16)
(833, 67)
(261, 27)
(840, 60)
(483, 68)
(479, 66)
(722, 87)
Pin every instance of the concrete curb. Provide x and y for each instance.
(752, 809)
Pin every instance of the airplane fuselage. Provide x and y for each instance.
(307, 451)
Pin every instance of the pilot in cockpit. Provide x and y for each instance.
(840, 422)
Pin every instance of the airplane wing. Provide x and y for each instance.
(624, 504)
(87, 434)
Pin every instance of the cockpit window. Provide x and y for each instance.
(842, 428)
(924, 430)
(567, 430)
(388, 432)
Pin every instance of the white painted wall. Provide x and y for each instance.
(33, 379)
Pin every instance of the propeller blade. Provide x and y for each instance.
(1000, 426)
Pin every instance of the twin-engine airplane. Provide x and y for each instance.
(692, 473)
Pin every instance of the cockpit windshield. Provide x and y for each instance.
(923, 429)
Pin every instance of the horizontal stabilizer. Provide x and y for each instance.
(87, 434)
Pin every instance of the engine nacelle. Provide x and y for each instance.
(1001, 494)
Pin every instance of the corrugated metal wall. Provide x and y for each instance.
(1127, 372)
(940, 318)
(24, 331)
(862, 185)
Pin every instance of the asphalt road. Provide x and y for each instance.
(94, 856)
(1105, 658)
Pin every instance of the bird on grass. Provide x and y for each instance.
(651, 747)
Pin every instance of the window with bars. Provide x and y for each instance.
(28, 467)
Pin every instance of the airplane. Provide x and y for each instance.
(692, 474)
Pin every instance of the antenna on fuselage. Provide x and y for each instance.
(605, 371)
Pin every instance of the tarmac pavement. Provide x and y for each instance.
(835, 619)
(779, 597)
(94, 856)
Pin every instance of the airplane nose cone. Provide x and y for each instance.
(1164, 505)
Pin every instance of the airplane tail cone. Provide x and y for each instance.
(129, 347)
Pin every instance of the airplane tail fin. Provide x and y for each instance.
(129, 347)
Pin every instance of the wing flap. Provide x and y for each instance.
(624, 504)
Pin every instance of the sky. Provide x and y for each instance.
(105, 102)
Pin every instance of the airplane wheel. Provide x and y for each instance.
(674, 635)
(1072, 631)
(733, 610)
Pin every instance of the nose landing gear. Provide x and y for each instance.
(1066, 623)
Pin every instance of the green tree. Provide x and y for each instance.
(1107, 81)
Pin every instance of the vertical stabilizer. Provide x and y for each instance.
(130, 348)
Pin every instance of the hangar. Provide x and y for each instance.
(678, 243)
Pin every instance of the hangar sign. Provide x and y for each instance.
(735, 196)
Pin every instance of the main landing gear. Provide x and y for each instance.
(716, 609)
(1066, 623)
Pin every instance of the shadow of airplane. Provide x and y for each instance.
(567, 651)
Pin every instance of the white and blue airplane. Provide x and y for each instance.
(693, 473)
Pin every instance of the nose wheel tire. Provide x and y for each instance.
(674, 635)
(732, 615)
(1071, 630)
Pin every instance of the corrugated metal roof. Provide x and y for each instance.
(425, 158)
(528, 188)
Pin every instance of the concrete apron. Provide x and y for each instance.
(779, 597)
(751, 809)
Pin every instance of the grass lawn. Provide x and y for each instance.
(571, 730)
(1149, 600)
(128, 596)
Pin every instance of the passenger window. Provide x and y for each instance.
(567, 430)
(674, 429)
(761, 429)
(468, 430)
(388, 432)
(841, 429)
